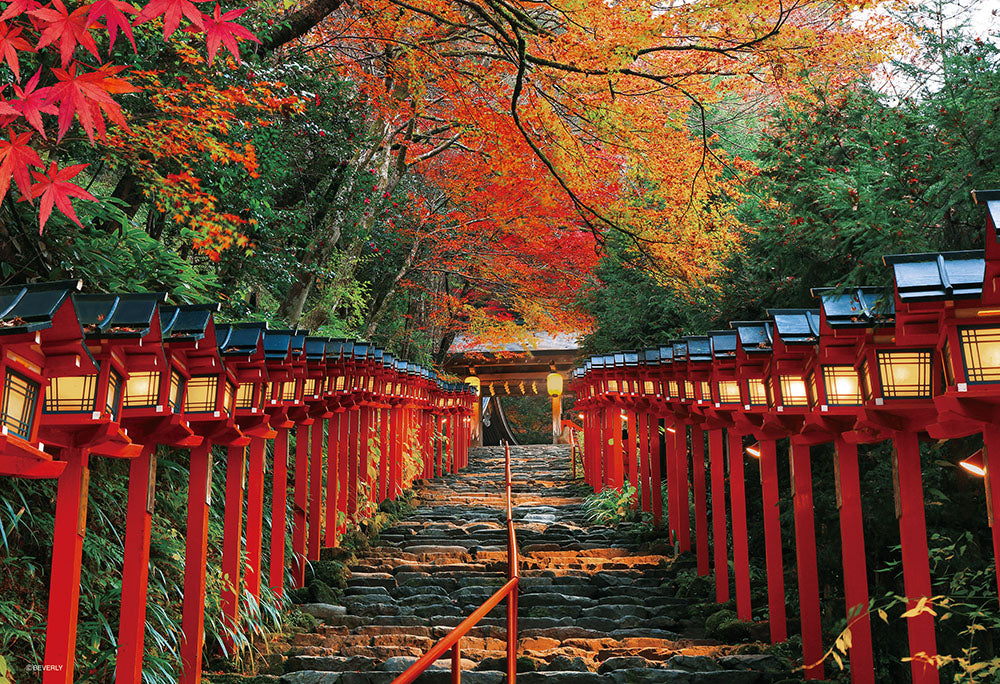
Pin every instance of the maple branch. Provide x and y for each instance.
(437, 150)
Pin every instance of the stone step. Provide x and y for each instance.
(593, 606)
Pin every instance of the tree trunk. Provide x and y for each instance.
(297, 24)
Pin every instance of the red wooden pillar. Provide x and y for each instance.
(352, 464)
(437, 445)
(670, 446)
(606, 448)
(642, 431)
(364, 452)
(852, 541)
(315, 488)
(425, 450)
(453, 430)
(631, 447)
(683, 505)
(700, 501)
(255, 515)
(655, 483)
(916, 563)
(738, 510)
(805, 558)
(135, 571)
(301, 496)
(67, 554)
(343, 465)
(279, 496)
(589, 442)
(717, 457)
(232, 538)
(616, 473)
(332, 476)
(991, 438)
(383, 453)
(394, 452)
(195, 563)
(772, 541)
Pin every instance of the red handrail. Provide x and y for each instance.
(509, 591)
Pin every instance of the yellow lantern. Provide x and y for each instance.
(202, 392)
(793, 390)
(142, 389)
(20, 397)
(554, 384)
(75, 393)
(841, 385)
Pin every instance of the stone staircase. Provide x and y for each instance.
(592, 608)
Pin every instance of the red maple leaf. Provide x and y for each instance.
(10, 43)
(17, 7)
(224, 30)
(113, 12)
(171, 10)
(32, 101)
(54, 188)
(86, 95)
(70, 29)
(16, 155)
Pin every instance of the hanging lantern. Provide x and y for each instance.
(554, 384)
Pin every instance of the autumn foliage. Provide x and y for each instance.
(81, 90)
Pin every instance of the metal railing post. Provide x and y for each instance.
(456, 663)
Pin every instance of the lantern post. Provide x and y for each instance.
(900, 374)
(699, 373)
(82, 417)
(41, 338)
(970, 347)
(241, 347)
(280, 407)
(793, 386)
(726, 399)
(753, 351)
(209, 391)
(835, 387)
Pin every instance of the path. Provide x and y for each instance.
(591, 609)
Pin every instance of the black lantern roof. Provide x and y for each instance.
(651, 357)
(796, 326)
(947, 275)
(315, 348)
(864, 307)
(680, 350)
(377, 354)
(333, 348)
(666, 354)
(619, 359)
(187, 323)
(347, 350)
(298, 342)
(240, 339)
(277, 343)
(723, 343)
(755, 336)
(27, 308)
(388, 360)
(109, 315)
(699, 348)
(631, 358)
(360, 351)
